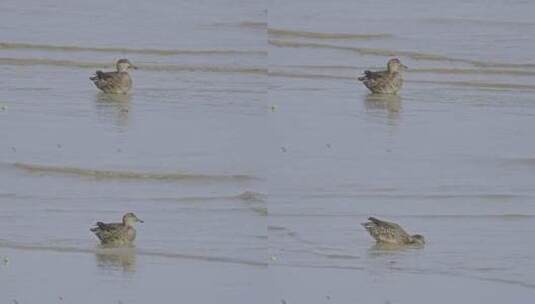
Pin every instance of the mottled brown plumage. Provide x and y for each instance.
(117, 234)
(385, 82)
(391, 233)
(118, 82)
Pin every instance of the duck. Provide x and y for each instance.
(118, 82)
(391, 233)
(117, 234)
(385, 82)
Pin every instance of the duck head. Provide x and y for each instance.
(394, 65)
(130, 219)
(123, 65)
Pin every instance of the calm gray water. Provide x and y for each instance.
(253, 155)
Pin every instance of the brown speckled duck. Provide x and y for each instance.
(385, 82)
(118, 82)
(117, 234)
(391, 233)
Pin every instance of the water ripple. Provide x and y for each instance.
(170, 255)
(317, 35)
(148, 67)
(161, 52)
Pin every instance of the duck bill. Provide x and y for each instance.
(404, 67)
(140, 221)
(134, 67)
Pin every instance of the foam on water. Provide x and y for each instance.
(111, 174)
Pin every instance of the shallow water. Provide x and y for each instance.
(252, 154)
(449, 158)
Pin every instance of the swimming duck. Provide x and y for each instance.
(385, 82)
(118, 82)
(117, 234)
(391, 233)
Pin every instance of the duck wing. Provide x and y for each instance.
(374, 76)
(99, 75)
(385, 224)
(108, 233)
(105, 75)
(102, 229)
(384, 231)
(108, 226)
(107, 81)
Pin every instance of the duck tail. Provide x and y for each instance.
(370, 224)
(98, 75)
(374, 220)
(366, 75)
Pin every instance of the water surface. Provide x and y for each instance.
(253, 154)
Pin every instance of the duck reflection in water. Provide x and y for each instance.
(117, 258)
(113, 107)
(382, 102)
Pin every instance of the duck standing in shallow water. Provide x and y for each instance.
(118, 82)
(385, 82)
(117, 234)
(391, 233)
